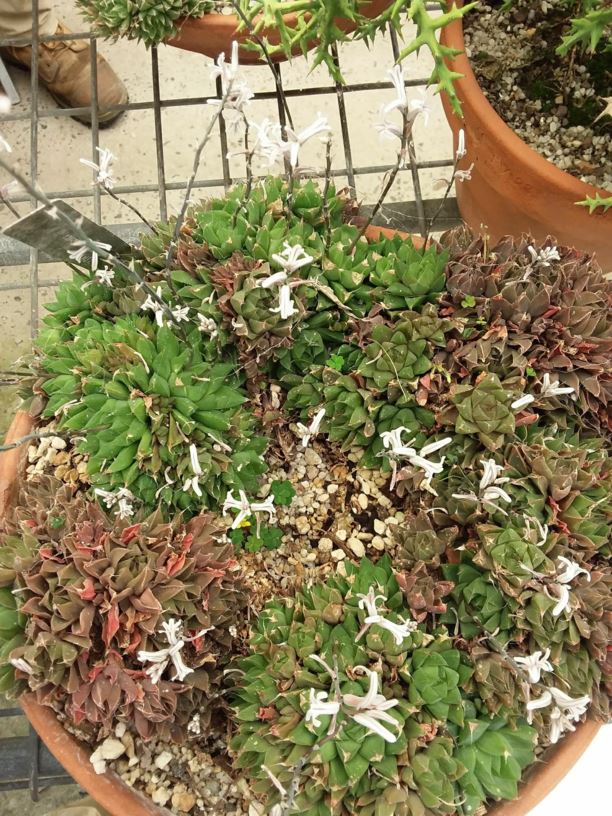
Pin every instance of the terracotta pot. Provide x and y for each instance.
(514, 189)
(213, 34)
(120, 800)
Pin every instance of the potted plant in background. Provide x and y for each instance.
(536, 113)
(272, 29)
(313, 520)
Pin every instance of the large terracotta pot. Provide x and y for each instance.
(213, 34)
(514, 189)
(120, 800)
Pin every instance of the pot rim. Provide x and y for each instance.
(472, 95)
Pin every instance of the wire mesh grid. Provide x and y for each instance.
(12, 253)
(25, 761)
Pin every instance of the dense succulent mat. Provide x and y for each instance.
(459, 628)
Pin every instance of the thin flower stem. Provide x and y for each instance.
(279, 86)
(28, 438)
(187, 198)
(288, 802)
(131, 207)
(82, 236)
(326, 211)
(436, 215)
(391, 176)
(8, 204)
(249, 152)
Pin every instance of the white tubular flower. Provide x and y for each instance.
(292, 258)
(180, 313)
(267, 141)
(371, 709)
(4, 145)
(273, 280)
(103, 170)
(266, 506)
(207, 325)
(567, 710)
(551, 388)
(194, 482)
(535, 664)
(238, 99)
(319, 707)
(421, 107)
(124, 503)
(386, 128)
(80, 249)
(567, 570)
(122, 500)
(464, 175)
(461, 151)
(172, 629)
(291, 147)
(544, 256)
(400, 631)
(396, 75)
(392, 441)
(522, 402)
(105, 276)
(21, 664)
(242, 505)
(107, 497)
(306, 433)
(490, 490)
(286, 306)
(155, 306)
(227, 71)
(570, 570)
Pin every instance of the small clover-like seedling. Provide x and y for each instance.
(283, 492)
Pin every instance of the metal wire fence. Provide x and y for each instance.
(25, 761)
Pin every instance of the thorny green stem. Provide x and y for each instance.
(82, 236)
(402, 156)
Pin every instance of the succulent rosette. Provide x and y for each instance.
(261, 399)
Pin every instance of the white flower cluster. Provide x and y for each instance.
(247, 508)
(395, 449)
(370, 711)
(160, 660)
(369, 602)
(121, 500)
(489, 490)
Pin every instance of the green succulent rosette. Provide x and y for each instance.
(141, 400)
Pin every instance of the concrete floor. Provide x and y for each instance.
(63, 141)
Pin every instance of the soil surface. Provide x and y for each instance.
(553, 103)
